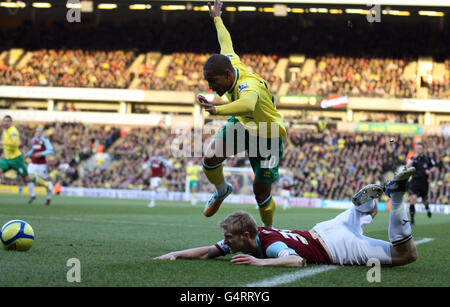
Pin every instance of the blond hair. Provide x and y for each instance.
(239, 222)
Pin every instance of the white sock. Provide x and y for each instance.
(399, 225)
(31, 189)
(152, 195)
(222, 188)
(49, 193)
(366, 207)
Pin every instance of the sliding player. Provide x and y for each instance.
(337, 241)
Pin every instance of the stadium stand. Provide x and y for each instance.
(100, 59)
(171, 58)
(73, 143)
(71, 68)
(321, 162)
(346, 76)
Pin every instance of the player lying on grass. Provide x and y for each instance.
(337, 241)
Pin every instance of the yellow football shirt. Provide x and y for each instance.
(192, 171)
(11, 142)
(246, 81)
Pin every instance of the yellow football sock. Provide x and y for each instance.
(215, 174)
(267, 212)
(40, 181)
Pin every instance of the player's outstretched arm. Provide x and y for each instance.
(224, 37)
(245, 104)
(205, 252)
(288, 261)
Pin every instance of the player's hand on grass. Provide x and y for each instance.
(169, 256)
(208, 106)
(216, 9)
(246, 259)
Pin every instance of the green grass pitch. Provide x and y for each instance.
(115, 241)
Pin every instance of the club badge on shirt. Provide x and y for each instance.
(242, 87)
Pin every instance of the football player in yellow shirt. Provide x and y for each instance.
(13, 158)
(192, 172)
(254, 126)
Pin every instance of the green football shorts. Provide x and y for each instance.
(193, 184)
(265, 161)
(18, 164)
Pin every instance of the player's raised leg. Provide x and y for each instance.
(39, 172)
(364, 199)
(403, 249)
(213, 170)
(20, 166)
(365, 207)
(38, 180)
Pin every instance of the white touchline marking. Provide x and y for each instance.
(302, 273)
(290, 277)
(424, 240)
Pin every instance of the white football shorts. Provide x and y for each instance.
(344, 237)
(285, 193)
(39, 169)
(155, 182)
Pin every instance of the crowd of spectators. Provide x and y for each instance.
(264, 66)
(73, 143)
(185, 72)
(328, 165)
(388, 117)
(251, 34)
(333, 75)
(350, 76)
(72, 68)
(335, 165)
(100, 56)
(441, 89)
(109, 69)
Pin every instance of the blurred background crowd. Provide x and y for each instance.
(86, 57)
(328, 164)
(332, 75)
(352, 58)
